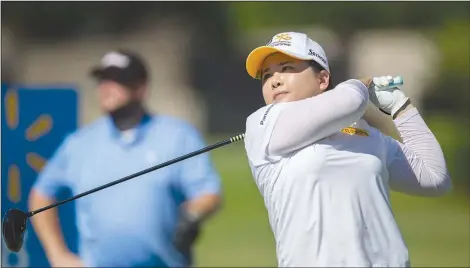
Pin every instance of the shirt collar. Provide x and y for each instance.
(131, 136)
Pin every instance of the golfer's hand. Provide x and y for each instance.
(187, 231)
(66, 259)
(389, 100)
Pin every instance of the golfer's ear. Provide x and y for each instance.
(324, 77)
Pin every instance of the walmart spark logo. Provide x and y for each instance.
(35, 121)
(41, 126)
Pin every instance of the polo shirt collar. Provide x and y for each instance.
(130, 136)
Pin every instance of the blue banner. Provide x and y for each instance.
(35, 120)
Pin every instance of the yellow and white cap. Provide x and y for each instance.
(293, 44)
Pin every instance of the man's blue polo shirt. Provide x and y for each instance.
(130, 224)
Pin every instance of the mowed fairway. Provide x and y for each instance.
(436, 230)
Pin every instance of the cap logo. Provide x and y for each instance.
(282, 39)
(313, 53)
(115, 59)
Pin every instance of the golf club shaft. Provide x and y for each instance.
(181, 158)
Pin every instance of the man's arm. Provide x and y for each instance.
(201, 186)
(204, 206)
(46, 225)
(304, 122)
(50, 182)
(200, 182)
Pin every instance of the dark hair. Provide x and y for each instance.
(317, 68)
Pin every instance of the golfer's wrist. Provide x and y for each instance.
(408, 106)
(366, 81)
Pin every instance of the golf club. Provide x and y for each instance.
(14, 221)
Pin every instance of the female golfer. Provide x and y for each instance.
(323, 171)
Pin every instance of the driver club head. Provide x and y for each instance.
(14, 226)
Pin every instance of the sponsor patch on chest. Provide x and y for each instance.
(355, 131)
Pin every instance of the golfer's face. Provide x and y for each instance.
(112, 95)
(286, 79)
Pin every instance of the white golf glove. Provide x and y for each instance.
(389, 99)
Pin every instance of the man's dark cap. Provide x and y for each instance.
(122, 66)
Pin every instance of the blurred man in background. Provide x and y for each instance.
(152, 220)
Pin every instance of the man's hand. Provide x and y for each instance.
(193, 214)
(389, 100)
(65, 259)
(187, 231)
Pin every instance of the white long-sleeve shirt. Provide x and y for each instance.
(327, 192)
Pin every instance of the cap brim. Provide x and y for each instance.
(113, 74)
(256, 58)
(98, 72)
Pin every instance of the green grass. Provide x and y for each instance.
(436, 230)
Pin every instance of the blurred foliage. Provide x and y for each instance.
(58, 20)
(452, 134)
(452, 94)
(447, 103)
(453, 39)
(347, 16)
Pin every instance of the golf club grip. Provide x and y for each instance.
(178, 159)
(395, 82)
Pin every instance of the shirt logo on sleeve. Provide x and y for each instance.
(266, 114)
